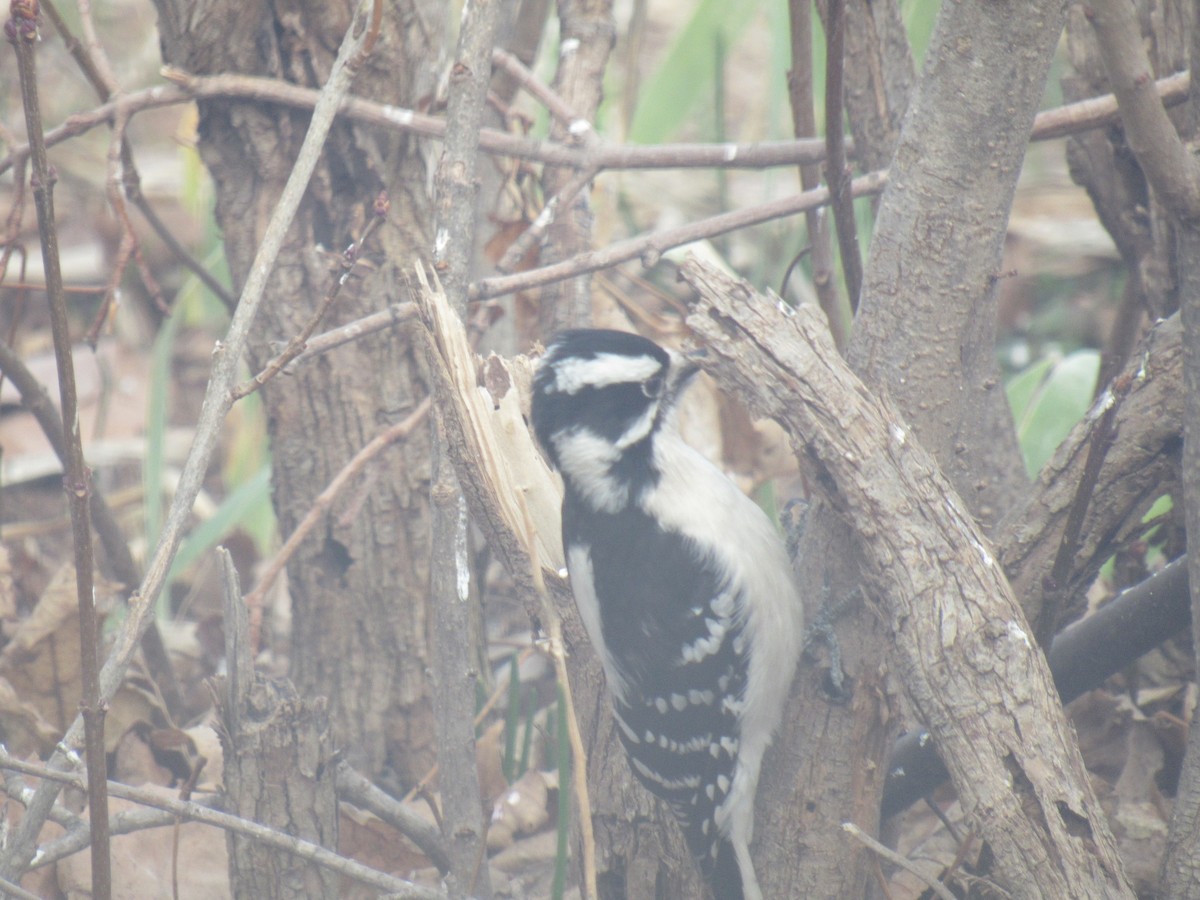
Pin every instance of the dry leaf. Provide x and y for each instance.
(523, 810)
(371, 841)
(141, 862)
(41, 662)
(489, 760)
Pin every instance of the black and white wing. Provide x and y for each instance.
(676, 664)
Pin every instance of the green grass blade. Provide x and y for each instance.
(512, 720)
(156, 426)
(240, 501)
(686, 75)
(1060, 400)
(530, 700)
(563, 748)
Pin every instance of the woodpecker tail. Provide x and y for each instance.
(723, 873)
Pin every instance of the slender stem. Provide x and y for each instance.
(649, 248)
(77, 479)
(804, 119)
(196, 812)
(299, 342)
(455, 637)
(836, 170)
(1095, 112)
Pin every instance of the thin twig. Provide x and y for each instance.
(586, 34)
(356, 788)
(195, 812)
(36, 399)
(1096, 112)
(1170, 167)
(543, 93)
(800, 93)
(896, 859)
(649, 248)
(226, 357)
(105, 88)
(298, 344)
(89, 55)
(518, 249)
(188, 88)
(22, 32)
(394, 315)
(580, 131)
(133, 191)
(1054, 590)
(399, 431)
(15, 890)
(837, 172)
(126, 822)
(421, 788)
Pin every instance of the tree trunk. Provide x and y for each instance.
(924, 335)
(278, 769)
(359, 590)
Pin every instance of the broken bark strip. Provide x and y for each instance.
(961, 645)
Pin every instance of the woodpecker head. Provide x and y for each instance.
(599, 398)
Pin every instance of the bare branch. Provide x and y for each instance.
(804, 118)
(196, 812)
(649, 248)
(270, 571)
(354, 787)
(837, 172)
(22, 32)
(455, 642)
(1168, 164)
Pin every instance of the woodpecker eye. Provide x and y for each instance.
(652, 387)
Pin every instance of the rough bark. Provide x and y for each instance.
(1101, 161)
(359, 593)
(1139, 468)
(456, 669)
(924, 335)
(927, 328)
(1173, 173)
(879, 79)
(960, 643)
(587, 34)
(1181, 865)
(278, 769)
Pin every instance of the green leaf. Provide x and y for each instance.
(1058, 401)
(687, 73)
(919, 19)
(1022, 386)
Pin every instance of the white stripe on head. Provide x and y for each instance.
(573, 374)
(639, 428)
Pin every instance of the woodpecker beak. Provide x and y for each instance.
(688, 370)
(690, 364)
(684, 370)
